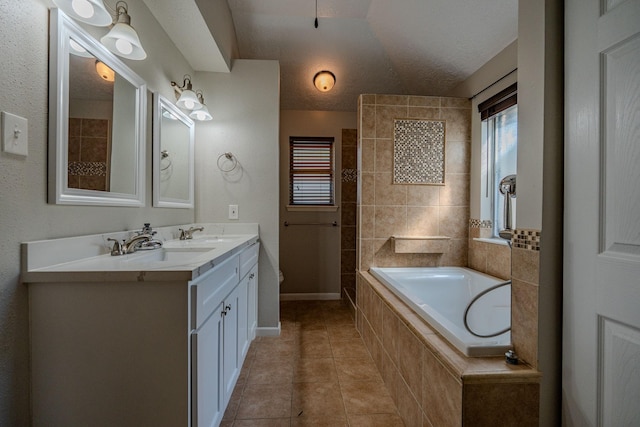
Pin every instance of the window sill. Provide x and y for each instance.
(493, 241)
(312, 208)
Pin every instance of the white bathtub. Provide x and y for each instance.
(440, 296)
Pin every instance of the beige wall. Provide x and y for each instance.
(24, 212)
(310, 255)
(244, 105)
(385, 209)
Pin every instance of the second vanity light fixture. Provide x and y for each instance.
(190, 100)
(122, 39)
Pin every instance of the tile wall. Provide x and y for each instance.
(349, 180)
(385, 209)
(89, 152)
(490, 258)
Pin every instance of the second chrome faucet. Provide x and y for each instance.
(188, 234)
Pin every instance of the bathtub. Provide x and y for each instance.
(440, 295)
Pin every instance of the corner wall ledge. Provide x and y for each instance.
(421, 244)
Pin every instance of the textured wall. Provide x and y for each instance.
(387, 209)
(244, 105)
(24, 212)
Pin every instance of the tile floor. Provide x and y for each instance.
(316, 373)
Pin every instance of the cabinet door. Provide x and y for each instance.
(252, 303)
(243, 325)
(206, 391)
(231, 365)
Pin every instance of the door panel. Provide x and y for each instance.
(601, 330)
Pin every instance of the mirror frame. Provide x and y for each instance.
(62, 29)
(158, 201)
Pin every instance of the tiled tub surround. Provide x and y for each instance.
(432, 383)
(349, 180)
(491, 258)
(386, 209)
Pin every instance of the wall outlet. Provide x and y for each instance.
(15, 134)
(233, 211)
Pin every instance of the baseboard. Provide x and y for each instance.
(309, 297)
(268, 332)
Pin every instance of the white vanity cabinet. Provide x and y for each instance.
(141, 349)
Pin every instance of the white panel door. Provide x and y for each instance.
(601, 335)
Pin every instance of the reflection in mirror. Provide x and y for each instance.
(97, 113)
(173, 155)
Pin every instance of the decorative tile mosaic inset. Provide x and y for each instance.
(87, 168)
(480, 223)
(349, 175)
(527, 239)
(418, 152)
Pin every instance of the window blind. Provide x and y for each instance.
(499, 102)
(311, 171)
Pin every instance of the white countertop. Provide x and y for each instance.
(177, 260)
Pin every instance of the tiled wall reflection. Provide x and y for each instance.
(88, 153)
(386, 209)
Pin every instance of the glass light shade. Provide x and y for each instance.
(76, 49)
(92, 12)
(189, 100)
(105, 72)
(324, 81)
(123, 39)
(202, 114)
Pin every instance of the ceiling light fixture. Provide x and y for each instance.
(104, 71)
(324, 81)
(123, 39)
(203, 113)
(188, 98)
(92, 12)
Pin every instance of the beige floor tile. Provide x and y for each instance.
(264, 422)
(317, 400)
(314, 370)
(366, 398)
(358, 369)
(375, 420)
(352, 348)
(318, 421)
(265, 401)
(271, 371)
(343, 332)
(314, 348)
(272, 348)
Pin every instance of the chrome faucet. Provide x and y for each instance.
(150, 244)
(130, 245)
(188, 234)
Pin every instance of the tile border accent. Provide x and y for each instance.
(349, 175)
(527, 239)
(480, 223)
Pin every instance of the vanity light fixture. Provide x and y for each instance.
(123, 39)
(201, 114)
(324, 81)
(188, 98)
(92, 12)
(104, 71)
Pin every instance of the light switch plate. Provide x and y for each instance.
(15, 135)
(233, 211)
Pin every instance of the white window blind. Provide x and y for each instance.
(311, 171)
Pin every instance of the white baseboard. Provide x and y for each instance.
(268, 332)
(309, 297)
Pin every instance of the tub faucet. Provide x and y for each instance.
(188, 234)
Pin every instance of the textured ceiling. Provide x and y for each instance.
(418, 47)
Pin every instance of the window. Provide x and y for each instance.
(311, 171)
(499, 116)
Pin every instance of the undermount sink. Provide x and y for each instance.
(170, 255)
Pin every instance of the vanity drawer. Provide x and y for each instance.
(248, 258)
(209, 292)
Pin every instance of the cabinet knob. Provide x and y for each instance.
(252, 275)
(227, 308)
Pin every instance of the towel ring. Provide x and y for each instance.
(229, 156)
(164, 154)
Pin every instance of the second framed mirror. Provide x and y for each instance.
(173, 155)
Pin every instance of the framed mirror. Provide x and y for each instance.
(97, 116)
(173, 155)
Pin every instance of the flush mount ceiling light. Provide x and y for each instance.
(104, 71)
(324, 81)
(188, 98)
(123, 39)
(92, 12)
(203, 113)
